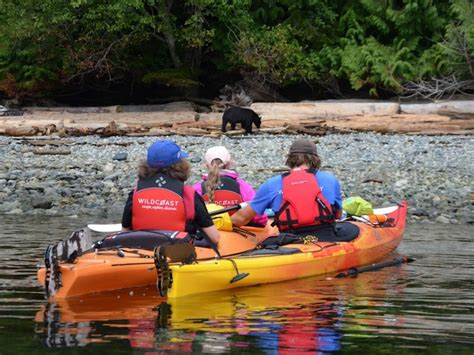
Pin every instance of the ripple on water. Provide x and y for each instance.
(421, 305)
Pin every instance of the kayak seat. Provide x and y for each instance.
(341, 232)
(345, 232)
(281, 239)
(144, 239)
(272, 250)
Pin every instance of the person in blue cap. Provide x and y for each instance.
(161, 200)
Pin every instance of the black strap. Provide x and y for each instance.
(211, 243)
(289, 222)
(325, 214)
(276, 220)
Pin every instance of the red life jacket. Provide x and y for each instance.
(162, 203)
(303, 204)
(227, 193)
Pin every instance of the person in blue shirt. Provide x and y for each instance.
(305, 200)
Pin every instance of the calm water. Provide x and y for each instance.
(423, 307)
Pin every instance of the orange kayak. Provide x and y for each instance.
(242, 264)
(106, 269)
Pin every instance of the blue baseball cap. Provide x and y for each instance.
(164, 153)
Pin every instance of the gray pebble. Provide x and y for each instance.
(431, 172)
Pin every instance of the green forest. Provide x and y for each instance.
(129, 49)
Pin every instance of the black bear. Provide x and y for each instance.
(244, 116)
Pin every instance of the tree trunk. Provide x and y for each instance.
(170, 41)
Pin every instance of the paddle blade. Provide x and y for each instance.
(105, 228)
(374, 267)
(65, 251)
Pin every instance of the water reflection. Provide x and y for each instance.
(303, 316)
(426, 306)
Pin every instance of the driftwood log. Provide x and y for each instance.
(456, 114)
(52, 151)
(313, 118)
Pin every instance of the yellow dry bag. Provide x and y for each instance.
(357, 206)
(222, 221)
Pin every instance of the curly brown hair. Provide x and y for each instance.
(180, 170)
(294, 160)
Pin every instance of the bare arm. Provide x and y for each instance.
(212, 233)
(244, 216)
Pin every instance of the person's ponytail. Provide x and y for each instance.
(213, 179)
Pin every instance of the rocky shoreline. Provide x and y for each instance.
(92, 175)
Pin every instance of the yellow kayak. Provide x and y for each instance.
(292, 261)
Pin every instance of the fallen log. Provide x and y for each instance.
(43, 142)
(21, 131)
(271, 130)
(87, 110)
(186, 123)
(111, 130)
(121, 144)
(215, 134)
(155, 131)
(191, 131)
(48, 129)
(313, 132)
(235, 132)
(46, 151)
(143, 134)
(314, 124)
(456, 114)
(74, 131)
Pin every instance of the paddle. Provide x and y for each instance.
(354, 271)
(117, 227)
(105, 228)
(228, 209)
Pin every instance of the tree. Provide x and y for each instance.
(371, 44)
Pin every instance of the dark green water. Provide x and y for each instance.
(423, 307)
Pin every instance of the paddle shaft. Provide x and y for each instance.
(110, 228)
(224, 210)
(358, 270)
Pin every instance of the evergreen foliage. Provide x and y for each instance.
(459, 40)
(371, 44)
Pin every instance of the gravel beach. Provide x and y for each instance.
(93, 175)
